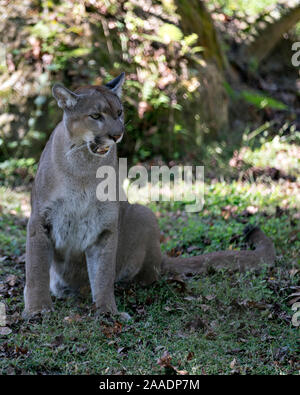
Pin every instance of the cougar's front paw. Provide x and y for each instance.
(115, 314)
(106, 310)
(122, 316)
(33, 310)
(28, 314)
(106, 307)
(36, 303)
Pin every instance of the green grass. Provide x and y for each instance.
(221, 323)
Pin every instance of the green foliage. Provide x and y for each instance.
(78, 44)
(17, 171)
(250, 7)
(261, 100)
(170, 106)
(169, 33)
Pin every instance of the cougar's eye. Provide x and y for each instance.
(97, 116)
(120, 113)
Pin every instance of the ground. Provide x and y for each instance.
(220, 323)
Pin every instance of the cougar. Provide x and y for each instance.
(73, 239)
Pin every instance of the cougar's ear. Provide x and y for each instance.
(115, 85)
(65, 98)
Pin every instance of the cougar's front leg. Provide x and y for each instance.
(39, 253)
(101, 263)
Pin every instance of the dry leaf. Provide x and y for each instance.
(196, 324)
(210, 335)
(190, 356)
(204, 307)
(74, 318)
(233, 363)
(4, 331)
(210, 297)
(11, 280)
(165, 362)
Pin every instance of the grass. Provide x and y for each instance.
(221, 323)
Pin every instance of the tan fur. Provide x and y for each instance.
(73, 239)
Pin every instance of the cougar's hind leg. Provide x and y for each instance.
(139, 255)
(151, 268)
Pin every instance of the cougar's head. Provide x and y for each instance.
(93, 115)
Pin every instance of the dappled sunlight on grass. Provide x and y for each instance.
(243, 194)
(14, 202)
(275, 153)
(239, 195)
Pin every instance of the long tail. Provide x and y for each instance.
(264, 252)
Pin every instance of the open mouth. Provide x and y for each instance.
(97, 149)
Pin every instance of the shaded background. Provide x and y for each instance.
(203, 77)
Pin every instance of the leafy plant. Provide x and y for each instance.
(262, 100)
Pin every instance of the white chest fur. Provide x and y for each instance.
(75, 222)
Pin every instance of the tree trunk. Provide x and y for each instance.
(207, 113)
(262, 46)
(196, 19)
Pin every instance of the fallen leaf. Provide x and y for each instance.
(210, 335)
(165, 362)
(165, 359)
(74, 318)
(21, 258)
(4, 331)
(295, 298)
(178, 282)
(196, 324)
(11, 280)
(20, 350)
(123, 350)
(190, 356)
(204, 307)
(181, 372)
(233, 363)
(81, 349)
(109, 330)
(294, 271)
(58, 340)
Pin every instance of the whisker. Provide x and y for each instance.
(74, 149)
